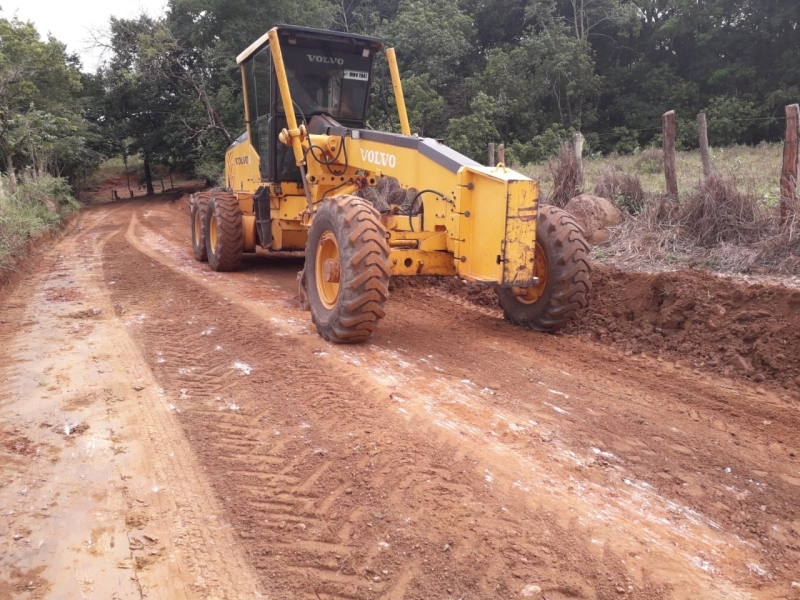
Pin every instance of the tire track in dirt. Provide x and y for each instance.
(202, 559)
(334, 496)
(748, 487)
(714, 447)
(459, 326)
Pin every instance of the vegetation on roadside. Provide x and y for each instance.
(28, 209)
(757, 168)
(47, 145)
(728, 222)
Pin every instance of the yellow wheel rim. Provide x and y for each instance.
(529, 295)
(327, 269)
(212, 233)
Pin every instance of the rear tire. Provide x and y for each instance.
(567, 283)
(224, 232)
(199, 204)
(346, 274)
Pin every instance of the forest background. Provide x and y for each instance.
(524, 72)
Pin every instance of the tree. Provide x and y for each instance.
(41, 105)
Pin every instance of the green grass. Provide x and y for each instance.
(755, 168)
(656, 240)
(31, 210)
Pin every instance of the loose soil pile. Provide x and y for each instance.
(708, 321)
(698, 319)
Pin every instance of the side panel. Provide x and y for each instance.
(480, 227)
(241, 168)
(494, 226)
(520, 238)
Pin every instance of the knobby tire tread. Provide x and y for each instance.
(570, 267)
(199, 204)
(227, 256)
(365, 271)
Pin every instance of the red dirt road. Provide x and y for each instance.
(454, 456)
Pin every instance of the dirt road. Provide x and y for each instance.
(171, 432)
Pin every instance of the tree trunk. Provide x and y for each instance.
(670, 162)
(790, 162)
(148, 178)
(491, 154)
(705, 155)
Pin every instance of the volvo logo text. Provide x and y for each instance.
(382, 159)
(325, 59)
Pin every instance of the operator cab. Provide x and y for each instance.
(329, 75)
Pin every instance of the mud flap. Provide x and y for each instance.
(263, 219)
(522, 208)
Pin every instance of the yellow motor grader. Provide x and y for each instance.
(309, 174)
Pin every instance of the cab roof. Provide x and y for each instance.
(290, 31)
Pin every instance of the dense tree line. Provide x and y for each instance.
(526, 72)
(43, 124)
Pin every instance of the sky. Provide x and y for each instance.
(73, 21)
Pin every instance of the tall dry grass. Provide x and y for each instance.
(567, 177)
(728, 222)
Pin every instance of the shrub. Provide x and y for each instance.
(717, 212)
(622, 189)
(567, 177)
(29, 210)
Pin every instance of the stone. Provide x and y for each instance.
(594, 214)
(530, 590)
(740, 364)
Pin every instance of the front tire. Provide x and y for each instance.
(346, 274)
(224, 232)
(563, 267)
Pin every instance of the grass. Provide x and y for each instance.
(28, 211)
(727, 223)
(757, 168)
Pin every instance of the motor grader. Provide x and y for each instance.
(310, 174)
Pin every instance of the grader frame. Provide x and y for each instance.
(366, 205)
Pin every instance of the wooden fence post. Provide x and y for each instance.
(491, 162)
(577, 146)
(501, 153)
(705, 155)
(790, 161)
(670, 163)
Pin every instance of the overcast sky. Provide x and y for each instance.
(71, 21)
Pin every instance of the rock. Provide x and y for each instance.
(530, 590)
(601, 236)
(758, 377)
(594, 215)
(741, 364)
